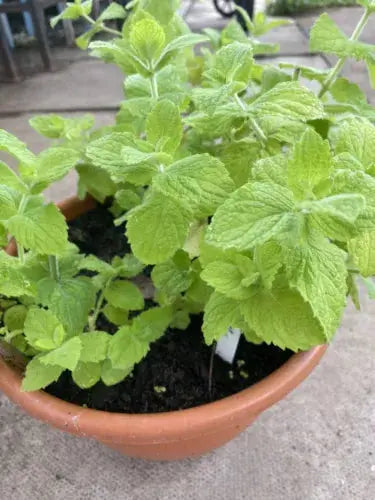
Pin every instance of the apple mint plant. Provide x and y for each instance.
(251, 197)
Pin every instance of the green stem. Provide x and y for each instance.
(53, 264)
(335, 71)
(102, 25)
(154, 87)
(21, 209)
(93, 318)
(258, 131)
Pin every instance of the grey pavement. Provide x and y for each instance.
(317, 444)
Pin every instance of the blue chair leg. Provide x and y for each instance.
(8, 31)
(28, 22)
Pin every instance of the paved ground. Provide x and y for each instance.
(317, 444)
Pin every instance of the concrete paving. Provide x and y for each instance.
(317, 444)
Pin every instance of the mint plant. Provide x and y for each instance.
(251, 197)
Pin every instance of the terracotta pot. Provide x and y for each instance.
(160, 436)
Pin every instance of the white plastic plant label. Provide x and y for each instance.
(226, 347)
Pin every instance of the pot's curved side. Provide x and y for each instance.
(162, 436)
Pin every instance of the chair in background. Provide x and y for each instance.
(35, 23)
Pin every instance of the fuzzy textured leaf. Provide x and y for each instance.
(38, 376)
(157, 228)
(252, 215)
(42, 229)
(65, 356)
(200, 182)
(43, 330)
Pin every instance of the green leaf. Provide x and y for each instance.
(357, 137)
(268, 262)
(96, 265)
(127, 199)
(178, 44)
(13, 281)
(94, 346)
(70, 299)
(126, 349)
(261, 24)
(157, 228)
(10, 144)
(124, 295)
(220, 313)
(56, 127)
(210, 100)
(65, 356)
(9, 202)
(281, 317)
(72, 11)
(10, 178)
(51, 125)
(346, 181)
(370, 286)
(252, 215)
(105, 152)
(164, 126)
(353, 291)
(14, 317)
(231, 277)
(113, 11)
(128, 266)
(150, 325)
(362, 249)
(41, 229)
(318, 271)
(371, 72)
(111, 376)
(83, 41)
(43, 330)
(271, 170)
(335, 216)
(38, 376)
(238, 158)
(309, 164)
(200, 182)
(344, 90)
(326, 36)
(368, 4)
(86, 375)
(139, 167)
(173, 276)
(147, 39)
(290, 100)
(96, 181)
(116, 316)
(233, 63)
(54, 163)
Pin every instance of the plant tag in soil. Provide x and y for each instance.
(226, 347)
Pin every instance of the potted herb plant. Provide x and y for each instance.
(226, 195)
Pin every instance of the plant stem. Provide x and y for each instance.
(95, 314)
(154, 87)
(53, 264)
(21, 209)
(102, 25)
(258, 131)
(335, 71)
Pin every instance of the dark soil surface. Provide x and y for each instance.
(175, 373)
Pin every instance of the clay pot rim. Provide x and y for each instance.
(147, 428)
